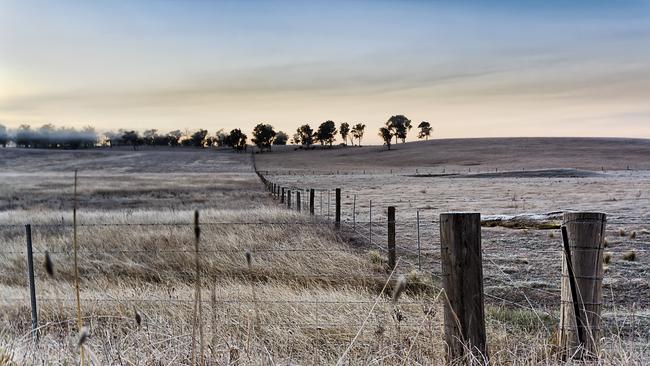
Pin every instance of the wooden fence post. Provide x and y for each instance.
(370, 223)
(354, 213)
(417, 223)
(298, 200)
(582, 279)
(391, 238)
(32, 285)
(311, 201)
(288, 198)
(462, 271)
(282, 196)
(337, 217)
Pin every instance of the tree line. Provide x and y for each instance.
(264, 136)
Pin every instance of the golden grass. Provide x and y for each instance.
(302, 299)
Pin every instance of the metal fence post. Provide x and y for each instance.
(32, 285)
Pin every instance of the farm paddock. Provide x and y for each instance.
(309, 290)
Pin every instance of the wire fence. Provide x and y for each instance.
(417, 248)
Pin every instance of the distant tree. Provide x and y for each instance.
(326, 133)
(263, 135)
(345, 131)
(24, 136)
(4, 137)
(425, 130)
(198, 138)
(387, 135)
(306, 134)
(399, 126)
(281, 138)
(237, 140)
(295, 139)
(357, 132)
(149, 136)
(113, 138)
(174, 137)
(132, 138)
(221, 137)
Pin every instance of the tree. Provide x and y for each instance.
(132, 138)
(326, 132)
(345, 131)
(150, 136)
(263, 135)
(305, 134)
(4, 137)
(198, 138)
(221, 137)
(295, 139)
(237, 140)
(357, 132)
(174, 137)
(24, 136)
(425, 129)
(386, 135)
(399, 126)
(281, 138)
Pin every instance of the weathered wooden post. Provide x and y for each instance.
(32, 285)
(417, 223)
(391, 237)
(282, 196)
(288, 198)
(583, 234)
(298, 200)
(354, 213)
(462, 271)
(370, 223)
(311, 200)
(337, 217)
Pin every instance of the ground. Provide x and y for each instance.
(310, 288)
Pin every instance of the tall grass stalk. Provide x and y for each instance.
(365, 321)
(76, 266)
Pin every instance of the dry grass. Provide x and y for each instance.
(303, 299)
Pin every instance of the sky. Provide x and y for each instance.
(470, 68)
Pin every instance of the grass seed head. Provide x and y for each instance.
(49, 266)
(83, 336)
(249, 259)
(399, 287)
(138, 318)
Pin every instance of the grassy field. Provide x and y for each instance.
(309, 290)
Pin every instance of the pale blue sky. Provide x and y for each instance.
(534, 68)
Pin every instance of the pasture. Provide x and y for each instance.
(311, 294)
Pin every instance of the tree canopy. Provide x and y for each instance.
(425, 130)
(386, 135)
(237, 140)
(357, 132)
(305, 135)
(326, 133)
(281, 138)
(263, 135)
(344, 130)
(399, 126)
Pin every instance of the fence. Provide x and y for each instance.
(581, 276)
(379, 232)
